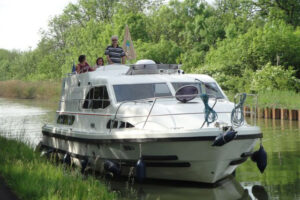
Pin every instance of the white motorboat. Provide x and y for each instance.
(151, 118)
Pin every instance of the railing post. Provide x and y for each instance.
(149, 113)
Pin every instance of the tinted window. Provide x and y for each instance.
(96, 98)
(141, 91)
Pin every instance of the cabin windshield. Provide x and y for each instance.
(213, 90)
(178, 85)
(130, 92)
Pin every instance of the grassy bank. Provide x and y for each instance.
(276, 98)
(32, 177)
(30, 90)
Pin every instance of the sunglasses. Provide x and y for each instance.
(114, 40)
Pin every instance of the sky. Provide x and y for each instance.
(22, 20)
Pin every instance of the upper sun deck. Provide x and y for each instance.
(122, 74)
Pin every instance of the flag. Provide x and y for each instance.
(73, 67)
(128, 45)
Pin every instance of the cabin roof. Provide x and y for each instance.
(116, 74)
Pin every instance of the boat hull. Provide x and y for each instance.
(184, 158)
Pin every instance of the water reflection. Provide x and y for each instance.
(229, 189)
(282, 176)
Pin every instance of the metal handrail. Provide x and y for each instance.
(254, 106)
(153, 100)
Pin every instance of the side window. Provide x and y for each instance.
(66, 119)
(96, 98)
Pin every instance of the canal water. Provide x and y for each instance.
(23, 119)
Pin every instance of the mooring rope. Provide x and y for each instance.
(210, 114)
(237, 114)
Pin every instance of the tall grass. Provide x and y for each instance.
(275, 98)
(30, 90)
(35, 178)
(280, 99)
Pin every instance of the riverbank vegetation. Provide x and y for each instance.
(273, 99)
(33, 178)
(43, 90)
(246, 45)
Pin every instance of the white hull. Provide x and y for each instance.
(180, 158)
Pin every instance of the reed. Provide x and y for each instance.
(30, 90)
(32, 177)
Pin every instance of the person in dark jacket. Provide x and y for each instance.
(114, 53)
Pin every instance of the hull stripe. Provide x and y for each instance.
(143, 140)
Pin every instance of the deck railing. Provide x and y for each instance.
(252, 103)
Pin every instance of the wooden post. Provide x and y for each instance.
(258, 113)
(266, 113)
(273, 113)
(299, 115)
(281, 113)
(290, 115)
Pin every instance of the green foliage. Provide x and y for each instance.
(165, 51)
(232, 40)
(273, 78)
(33, 177)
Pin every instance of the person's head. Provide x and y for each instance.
(81, 59)
(114, 40)
(100, 61)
